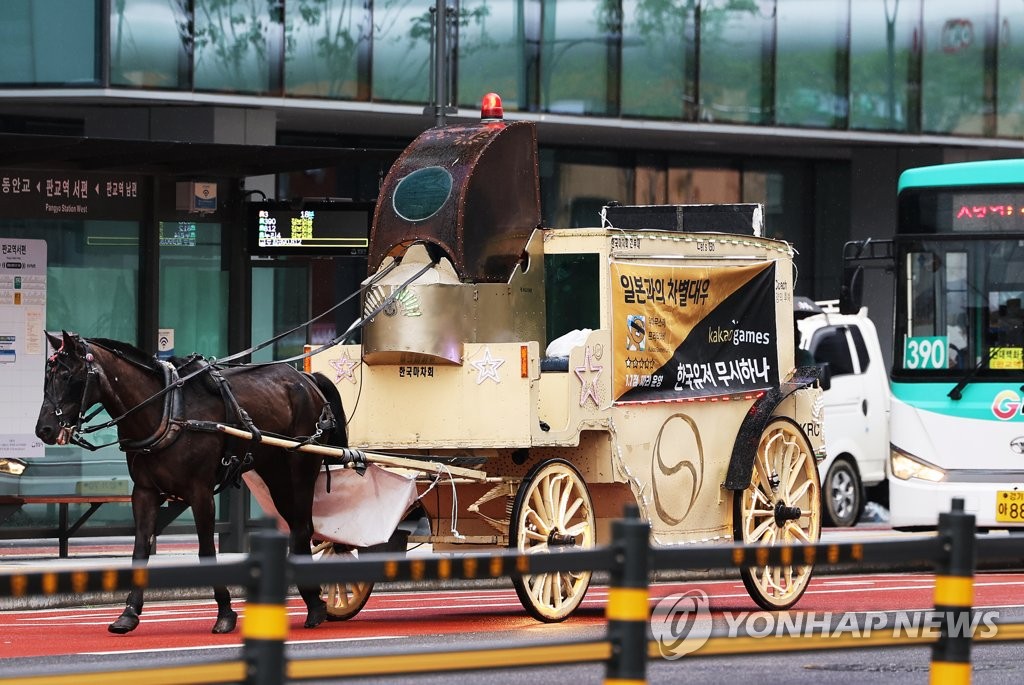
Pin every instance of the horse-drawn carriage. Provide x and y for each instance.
(521, 384)
(555, 375)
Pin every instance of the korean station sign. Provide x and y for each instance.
(35, 194)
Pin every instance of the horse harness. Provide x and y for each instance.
(172, 421)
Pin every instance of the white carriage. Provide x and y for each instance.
(676, 391)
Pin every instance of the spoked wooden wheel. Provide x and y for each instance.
(344, 600)
(552, 511)
(782, 505)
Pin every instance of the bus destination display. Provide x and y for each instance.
(992, 211)
(313, 229)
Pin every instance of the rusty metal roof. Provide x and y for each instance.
(472, 190)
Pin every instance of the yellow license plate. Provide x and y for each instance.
(1010, 506)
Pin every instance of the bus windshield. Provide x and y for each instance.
(960, 275)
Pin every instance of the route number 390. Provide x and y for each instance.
(925, 353)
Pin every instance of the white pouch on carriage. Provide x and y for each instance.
(359, 510)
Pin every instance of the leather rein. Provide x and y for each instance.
(171, 422)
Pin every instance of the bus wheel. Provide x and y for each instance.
(781, 505)
(552, 511)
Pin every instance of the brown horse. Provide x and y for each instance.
(173, 449)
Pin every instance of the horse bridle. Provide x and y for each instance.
(59, 360)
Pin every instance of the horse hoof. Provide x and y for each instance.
(315, 616)
(125, 623)
(225, 623)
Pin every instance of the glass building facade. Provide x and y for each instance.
(883, 65)
(810, 107)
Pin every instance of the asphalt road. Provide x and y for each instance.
(64, 640)
(73, 638)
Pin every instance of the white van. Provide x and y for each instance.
(856, 408)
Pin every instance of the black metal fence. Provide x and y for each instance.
(267, 572)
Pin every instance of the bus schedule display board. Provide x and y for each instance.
(309, 228)
(22, 344)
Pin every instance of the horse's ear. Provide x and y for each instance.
(72, 342)
(55, 342)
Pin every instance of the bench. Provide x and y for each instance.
(11, 504)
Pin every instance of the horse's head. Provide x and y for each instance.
(66, 390)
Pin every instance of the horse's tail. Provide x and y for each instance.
(339, 436)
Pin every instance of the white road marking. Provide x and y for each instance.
(239, 646)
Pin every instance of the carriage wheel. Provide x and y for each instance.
(552, 511)
(781, 505)
(344, 600)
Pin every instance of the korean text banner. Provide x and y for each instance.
(685, 331)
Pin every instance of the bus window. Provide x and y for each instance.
(923, 270)
(1005, 329)
(936, 309)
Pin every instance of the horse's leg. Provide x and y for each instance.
(203, 511)
(316, 607)
(300, 520)
(145, 504)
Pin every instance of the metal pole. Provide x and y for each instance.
(265, 626)
(627, 610)
(954, 595)
(441, 61)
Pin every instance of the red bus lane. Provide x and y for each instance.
(398, 615)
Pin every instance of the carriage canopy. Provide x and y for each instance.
(471, 190)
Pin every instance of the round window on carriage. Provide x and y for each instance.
(419, 195)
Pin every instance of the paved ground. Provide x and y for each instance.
(31, 556)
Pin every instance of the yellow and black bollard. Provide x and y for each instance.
(628, 610)
(954, 596)
(265, 626)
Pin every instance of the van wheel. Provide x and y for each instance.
(842, 494)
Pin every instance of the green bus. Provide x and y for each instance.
(957, 378)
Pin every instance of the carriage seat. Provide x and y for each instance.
(559, 364)
(556, 355)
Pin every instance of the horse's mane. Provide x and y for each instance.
(129, 352)
(184, 365)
